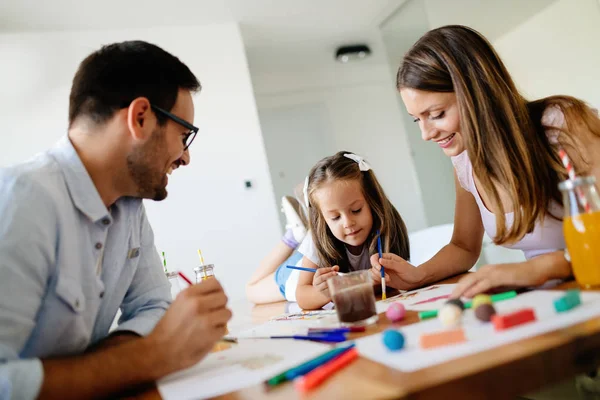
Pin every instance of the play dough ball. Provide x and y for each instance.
(395, 312)
(456, 302)
(481, 299)
(450, 315)
(484, 312)
(393, 340)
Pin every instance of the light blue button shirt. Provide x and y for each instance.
(56, 299)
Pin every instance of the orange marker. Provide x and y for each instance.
(442, 338)
(320, 374)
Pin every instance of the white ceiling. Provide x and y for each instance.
(279, 35)
(291, 32)
(264, 20)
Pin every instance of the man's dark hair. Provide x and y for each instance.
(111, 78)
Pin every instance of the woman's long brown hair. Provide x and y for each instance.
(502, 131)
(386, 218)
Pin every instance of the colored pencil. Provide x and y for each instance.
(383, 295)
(319, 375)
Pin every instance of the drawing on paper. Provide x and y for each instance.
(318, 314)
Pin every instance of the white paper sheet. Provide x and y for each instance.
(424, 296)
(480, 335)
(290, 324)
(245, 364)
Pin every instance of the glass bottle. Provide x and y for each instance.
(204, 272)
(581, 227)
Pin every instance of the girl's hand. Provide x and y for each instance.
(399, 273)
(320, 279)
(492, 276)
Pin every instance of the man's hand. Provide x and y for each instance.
(195, 321)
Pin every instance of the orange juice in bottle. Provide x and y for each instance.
(581, 226)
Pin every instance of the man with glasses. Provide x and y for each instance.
(75, 243)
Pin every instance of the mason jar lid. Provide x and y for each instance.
(570, 184)
(204, 267)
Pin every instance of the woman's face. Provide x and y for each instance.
(437, 116)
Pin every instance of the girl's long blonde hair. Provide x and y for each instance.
(502, 131)
(386, 218)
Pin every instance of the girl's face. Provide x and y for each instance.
(346, 211)
(437, 116)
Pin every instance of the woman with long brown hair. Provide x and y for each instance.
(505, 153)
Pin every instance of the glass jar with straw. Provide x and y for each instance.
(203, 271)
(581, 224)
(172, 276)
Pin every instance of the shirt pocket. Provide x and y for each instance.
(69, 291)
(132, 256)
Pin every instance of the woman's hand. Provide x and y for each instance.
(399, 274)
(493, 276)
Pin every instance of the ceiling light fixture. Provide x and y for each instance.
(355, 52)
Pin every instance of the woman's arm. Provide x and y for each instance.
(456, 257)
(533, 272)
(465, 246)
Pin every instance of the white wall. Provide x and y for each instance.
(356, 108)
(433, 168)
(208, 206)
(557, 51)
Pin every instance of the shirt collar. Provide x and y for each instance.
(81, 188)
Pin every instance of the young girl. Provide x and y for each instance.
(505, 155)
(347, 206)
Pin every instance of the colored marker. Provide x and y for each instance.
(305, 369)
(315, 362)
(319, 375)
(383, 295)
(318, 337)
(313, 270)
(495, 298)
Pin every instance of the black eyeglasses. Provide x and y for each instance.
(190, 136)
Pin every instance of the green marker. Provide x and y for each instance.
(495, 298)
(428, 314)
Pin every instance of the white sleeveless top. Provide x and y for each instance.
(546, 237)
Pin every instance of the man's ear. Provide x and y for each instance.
(140, 119)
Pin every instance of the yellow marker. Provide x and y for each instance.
(202, 264)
